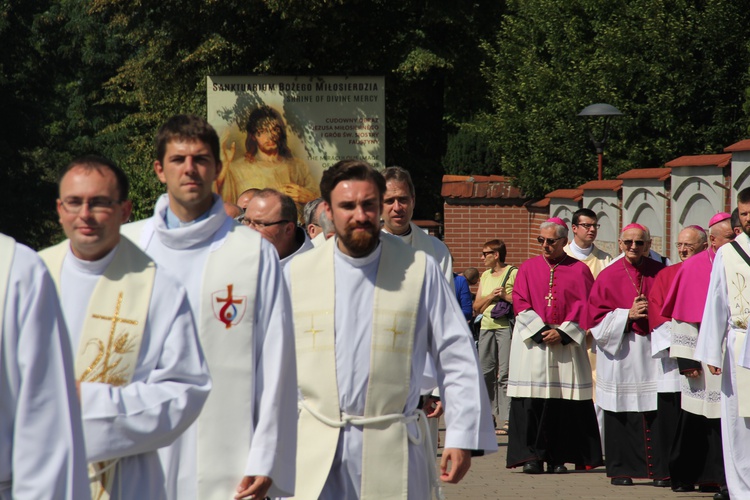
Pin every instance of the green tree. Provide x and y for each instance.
(675, 68)
(124, 67)
(469, 150)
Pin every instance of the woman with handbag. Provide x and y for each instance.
(494, 301)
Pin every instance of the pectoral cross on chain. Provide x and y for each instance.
(395, 331)
(313, 331)
(549, 298)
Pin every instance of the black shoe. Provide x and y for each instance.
(557, 469)
(723, 494)
(621, 481)
(683, 488)
(532, 467)
(662, 483)
(709, 488)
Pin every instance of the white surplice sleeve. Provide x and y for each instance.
(274, 444)
(661, 340)
(716, 316)
(467, 415)
(610, 331)
(167, 391)
(43, 451)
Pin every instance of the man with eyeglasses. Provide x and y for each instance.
(582, 247)
(142, 378)
(627, 374)
(244, 441)
(274, 216)
(722, 345)
(585, 227)
(691, 240)
(696, 457)
(552, 417)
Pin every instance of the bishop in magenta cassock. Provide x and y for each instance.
(627, 374)
(552, 415)
(668, 380)
(696, 457)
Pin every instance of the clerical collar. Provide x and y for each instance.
(93, 267)
(174, 222)
(405, 235)
(580, 253)
(200, 231)
(358, 261)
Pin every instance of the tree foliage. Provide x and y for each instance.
(99, 76)
(469, 150)
(675, 68)
(113, 70)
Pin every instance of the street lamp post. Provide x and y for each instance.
(606, 112)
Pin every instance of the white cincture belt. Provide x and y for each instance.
(423, 434)
(365, 421)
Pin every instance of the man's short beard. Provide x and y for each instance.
(360, 243)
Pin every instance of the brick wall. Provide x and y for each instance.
(469, 226)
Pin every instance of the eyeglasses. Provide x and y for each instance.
(550, 241)
(628, 243)
(96, 205)
(256, 223)
(485, 254)
(588, 226)
(686, 246)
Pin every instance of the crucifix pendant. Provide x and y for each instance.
(549, 298)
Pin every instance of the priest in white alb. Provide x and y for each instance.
(627, 374)
(368, 310)
(552, 417)
(142, 376)
(42, 455)
(722, 345)
(244, 440)
(398, 209)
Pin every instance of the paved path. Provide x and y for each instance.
(489, 479)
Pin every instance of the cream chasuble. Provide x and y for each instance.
(112, 330)
(385, 454)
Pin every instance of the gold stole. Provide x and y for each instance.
(7, 250)
(738, 287)
(112, 330)
(385, 451)
(225, 326)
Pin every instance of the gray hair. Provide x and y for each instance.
(560, 231)
(309, 211)
(325, 223)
